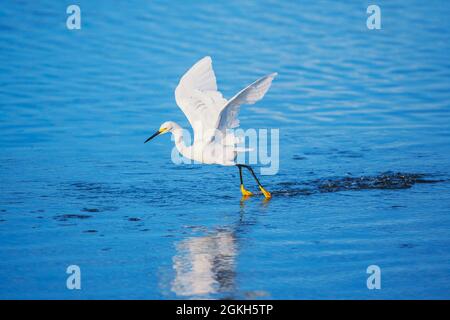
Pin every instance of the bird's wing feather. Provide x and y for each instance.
(198, 97)
(228, 117)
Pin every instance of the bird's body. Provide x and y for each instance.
(207, 152)
(211, 116)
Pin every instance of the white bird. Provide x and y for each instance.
(210, 116)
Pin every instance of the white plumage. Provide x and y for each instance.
(210, 114)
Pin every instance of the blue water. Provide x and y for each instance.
(364, 151)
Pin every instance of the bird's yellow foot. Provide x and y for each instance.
(265, 192)
(245, 192)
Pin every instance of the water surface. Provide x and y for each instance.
(364, 160)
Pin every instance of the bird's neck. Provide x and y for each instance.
(178, 138)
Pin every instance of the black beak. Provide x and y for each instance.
(153, 135)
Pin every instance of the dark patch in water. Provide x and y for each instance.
(134, 219)
(90, 231)
(91, 186)
(297, 157)
(384, 181)
(407, 246)
(90, 190)
(90, 210)
(288, 183)
(293, 192)
(65, 217)
(349, 154)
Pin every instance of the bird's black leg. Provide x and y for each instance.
(264, 191)
(240, 174)
(244, 192)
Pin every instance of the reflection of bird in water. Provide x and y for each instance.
(210, 116)
(205, 265)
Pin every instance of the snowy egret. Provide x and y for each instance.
(210, 116)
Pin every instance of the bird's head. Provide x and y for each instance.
(166, 127)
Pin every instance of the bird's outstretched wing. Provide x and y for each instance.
(199, 99)
(228, 117)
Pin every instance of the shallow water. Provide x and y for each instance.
(364, 159)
